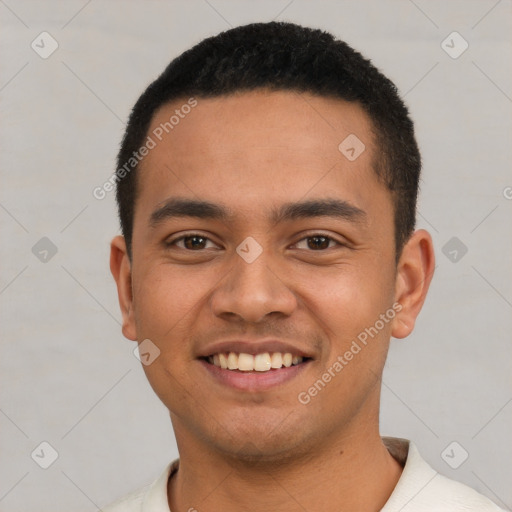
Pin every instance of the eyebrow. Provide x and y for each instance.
(176, 208)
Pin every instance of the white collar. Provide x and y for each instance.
(420, 487)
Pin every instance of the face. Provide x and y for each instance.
(254, 234)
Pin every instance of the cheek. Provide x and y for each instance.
(346, 299)
(167, 303)
(346, 305)
(167, 300)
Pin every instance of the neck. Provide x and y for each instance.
(351, 472)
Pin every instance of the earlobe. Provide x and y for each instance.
(120, 266)
(414, 274)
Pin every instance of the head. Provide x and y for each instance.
(275, 201)
(284, 57)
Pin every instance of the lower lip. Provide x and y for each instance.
(254, 381)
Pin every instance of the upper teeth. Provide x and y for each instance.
(259, 362)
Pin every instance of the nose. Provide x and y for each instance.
(251, 291)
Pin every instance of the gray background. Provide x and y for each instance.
(68, 377)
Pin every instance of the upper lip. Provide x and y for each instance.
(253, 347)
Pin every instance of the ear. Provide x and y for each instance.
(414, 273)
(120, 266)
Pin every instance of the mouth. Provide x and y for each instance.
(254, 372)
(263, 362)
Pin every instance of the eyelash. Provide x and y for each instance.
(199, 235)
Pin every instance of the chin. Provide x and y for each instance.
(254, 444)
(249, 454)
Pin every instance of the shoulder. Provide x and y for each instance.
(422, 489)
(129, 503)
(450, 495)
(151, 498)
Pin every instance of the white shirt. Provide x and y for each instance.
(419, 489)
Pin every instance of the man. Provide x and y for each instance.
(267, 186)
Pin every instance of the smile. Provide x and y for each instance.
(263, 362)
(254, 372)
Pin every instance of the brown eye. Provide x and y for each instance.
(192, 242)
(316, 242)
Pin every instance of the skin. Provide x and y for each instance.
(248, 450)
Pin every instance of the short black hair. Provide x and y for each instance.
(283, 56)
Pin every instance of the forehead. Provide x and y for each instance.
(282, 119)
(259, 146)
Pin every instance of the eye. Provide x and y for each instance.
(192, 242)
(317, 242)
